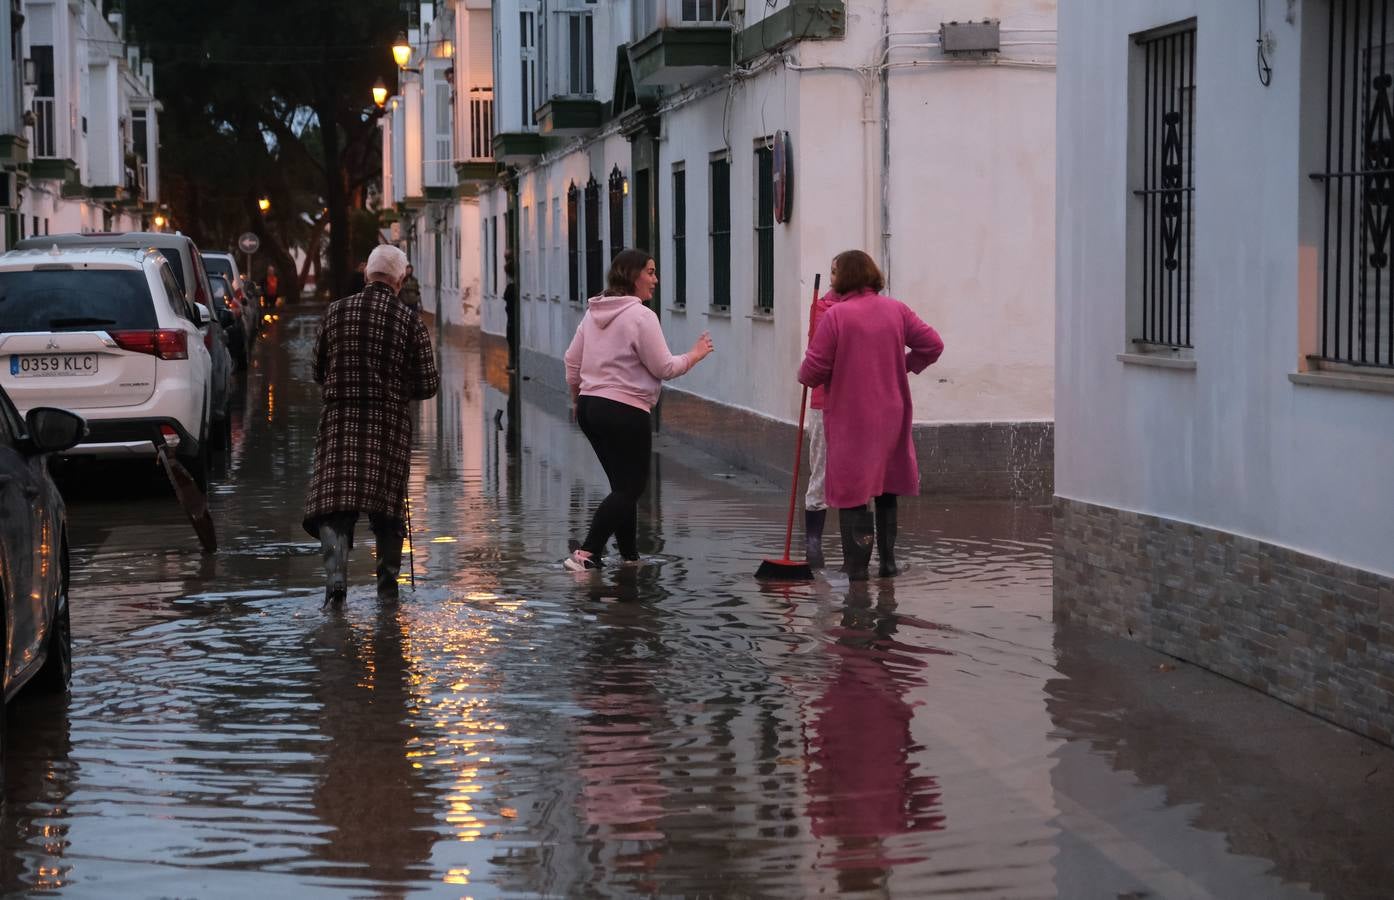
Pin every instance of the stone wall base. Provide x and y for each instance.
(1311, 632)
(968, 460)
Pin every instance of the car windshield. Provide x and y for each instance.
(75, 300)
(220, 290)
(215, 266)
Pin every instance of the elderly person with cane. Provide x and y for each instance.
(865, 347)
(373, 356)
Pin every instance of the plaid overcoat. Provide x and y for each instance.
(373, 356)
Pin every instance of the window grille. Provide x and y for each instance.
(617, 187)
(527, 60)
(542, 281)
(45, 102)
(1166, 196)
(704, 10)
(595, 242)
(580, 32)
(481, 101)
(680, 238)
(1357, 314)
(573, 243)
(764, 228)
(721, 232)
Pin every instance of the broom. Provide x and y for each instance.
(786, 569)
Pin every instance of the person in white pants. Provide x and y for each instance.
(815, 504)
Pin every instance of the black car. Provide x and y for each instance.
(37, 644)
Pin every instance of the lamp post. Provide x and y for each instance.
(380, 94)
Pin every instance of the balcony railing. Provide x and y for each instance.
(45, 128)
(481, 123)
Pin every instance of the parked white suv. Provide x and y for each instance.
(107, 334)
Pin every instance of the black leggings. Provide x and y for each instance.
(622, 437)
(883, 502)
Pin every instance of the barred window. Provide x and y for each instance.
(679, 236)
(721, 232)
(1357, 314)
(573, 244)
(595, 241)
(618, 188)
(1163, 122)
(764, 227)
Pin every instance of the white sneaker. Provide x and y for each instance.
(579, 561)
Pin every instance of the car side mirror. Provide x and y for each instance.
(226, 318)
(53, 430)
(204, 316)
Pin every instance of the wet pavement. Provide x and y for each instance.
(515, 730)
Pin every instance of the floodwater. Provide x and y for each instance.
(515, 730)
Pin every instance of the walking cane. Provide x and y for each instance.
(411, 554)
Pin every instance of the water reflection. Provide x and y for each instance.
(371, 795)
(39, 779)
(863, 778)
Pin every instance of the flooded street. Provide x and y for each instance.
(512, 729)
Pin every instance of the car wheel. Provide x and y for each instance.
(57, 671)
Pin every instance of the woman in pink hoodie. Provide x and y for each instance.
(616, 364)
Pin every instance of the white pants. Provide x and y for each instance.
(817, 462)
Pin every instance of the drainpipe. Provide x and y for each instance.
(884, 74)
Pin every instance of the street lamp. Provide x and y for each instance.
(380, 94)
(159, 221)
(264, 203)
(401, 50)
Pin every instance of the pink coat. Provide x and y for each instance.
(859, 353)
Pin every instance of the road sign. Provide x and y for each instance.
(248, 243)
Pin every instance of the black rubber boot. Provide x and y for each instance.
(334, 542)
(885, 539)
(813, 521)
(389, 564)
(857, 534)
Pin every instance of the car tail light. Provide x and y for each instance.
(166, 343)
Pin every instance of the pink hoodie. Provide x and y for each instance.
(619, 353)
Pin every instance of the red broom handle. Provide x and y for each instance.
(794, 490)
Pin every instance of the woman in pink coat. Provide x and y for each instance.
(860, 354)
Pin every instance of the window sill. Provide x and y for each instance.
(1158, 361)
(761, 317)
(718, 313)
(1376, 384)
(677, 310)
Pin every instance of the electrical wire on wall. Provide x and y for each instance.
(1265, 71)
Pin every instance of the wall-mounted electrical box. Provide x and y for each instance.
(970, 37)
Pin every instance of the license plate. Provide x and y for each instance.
(32, 365)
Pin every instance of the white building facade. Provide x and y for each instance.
(1225, 341)
(655, 123)
(436, 154)
(81, 123)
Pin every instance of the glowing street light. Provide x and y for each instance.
(264, 203)
(380, 94)
(160, 221)
(401, 50)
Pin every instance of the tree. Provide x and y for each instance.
(269, 98)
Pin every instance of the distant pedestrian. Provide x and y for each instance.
(411, 290)
(373, 356)
(273, 287)
(815, 502)
(510, 310)
(616, 365)
(859, 354)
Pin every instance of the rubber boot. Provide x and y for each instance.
(389, 564)
(857, 534)
(885, 540)
(334, 547)
(813, 521)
